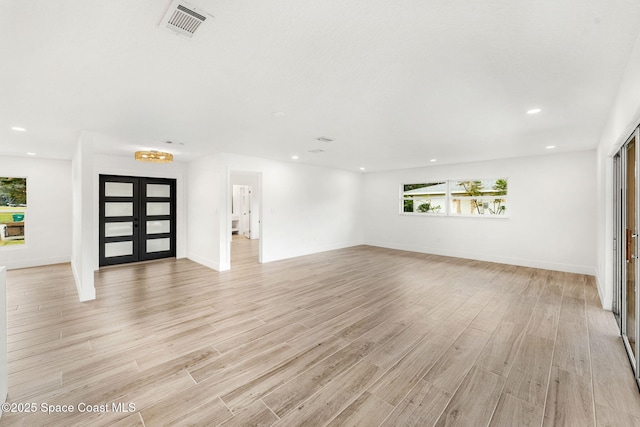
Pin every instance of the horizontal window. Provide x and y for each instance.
(479, 198)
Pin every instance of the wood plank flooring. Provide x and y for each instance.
(360, 336)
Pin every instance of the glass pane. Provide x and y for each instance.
(13, 203)
(155, 208)
(428, 197)
(158, 245)
(479, 206)
(118, 189)
(118, 249)
(112, 209)
(630, 291)
(158, 190)
(479, 187)
(480, 197)
(156, 227)
(114, 229)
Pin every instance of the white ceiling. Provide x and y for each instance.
(394, 83)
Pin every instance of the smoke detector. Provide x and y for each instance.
(184, 19)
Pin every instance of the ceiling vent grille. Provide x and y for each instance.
(183, 19)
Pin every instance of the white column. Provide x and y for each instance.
(4, 379)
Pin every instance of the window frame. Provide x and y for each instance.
(445, 209)
(452, 194)
(19, 209)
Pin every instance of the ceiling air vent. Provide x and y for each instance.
(183, 18)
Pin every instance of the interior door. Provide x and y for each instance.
(245, 197)
(137, 219)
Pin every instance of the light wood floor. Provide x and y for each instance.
(361, 336)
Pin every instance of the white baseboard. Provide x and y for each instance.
(310, 250)
(205, 261)
(12, 265)
(546, 265)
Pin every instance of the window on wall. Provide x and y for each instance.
(425, 198)
(476, 198)
(13, 207)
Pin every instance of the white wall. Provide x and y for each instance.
(552, 213)
(305, 209)
(623, 118)
(84, 223)
(48, 215)
(205, 208)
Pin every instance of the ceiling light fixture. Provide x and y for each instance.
(362, 169)
(550, 147)
(534, 111)
(31, 154)
(433, 160)
(18, 129)
(154, 156)
(295, 157)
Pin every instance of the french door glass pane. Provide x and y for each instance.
(158, 190)
(118, 189)
(118, 249)
(156, 227)
(631, 234)
(158, 245)
(158, 208)
(115, 229)
(112, 209)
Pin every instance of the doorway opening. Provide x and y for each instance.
(245, 242)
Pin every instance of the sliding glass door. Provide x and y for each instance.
(626, 222)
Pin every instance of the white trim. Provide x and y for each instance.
(546, 265)
(210, 263)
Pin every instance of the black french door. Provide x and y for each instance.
(137, 219)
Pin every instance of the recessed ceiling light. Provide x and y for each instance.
(31, 154)
(18, 129)
(549, 147)
(362, 169)
(433, 160)
(295, 157)
(534, 111)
